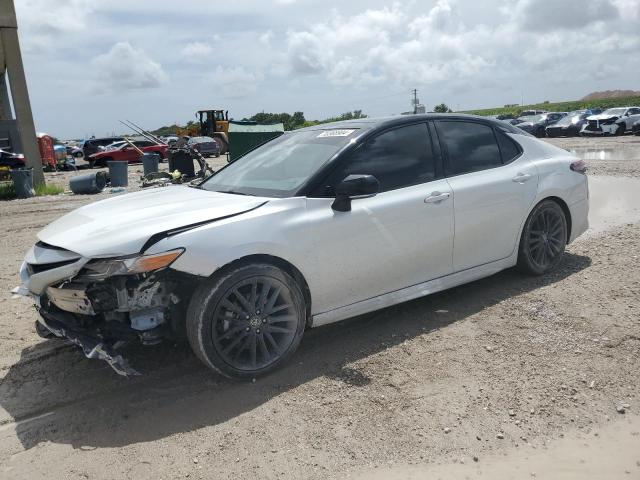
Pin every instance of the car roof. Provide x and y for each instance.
(381, 123)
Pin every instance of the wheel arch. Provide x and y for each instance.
(279, 262)
(565, 208)
(563, 205)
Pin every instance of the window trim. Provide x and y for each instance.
(496, 132)
(448, 170)
(436, 152)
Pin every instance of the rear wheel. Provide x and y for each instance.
(543, 239)
(248, 321)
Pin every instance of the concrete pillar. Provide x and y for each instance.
(19, 93)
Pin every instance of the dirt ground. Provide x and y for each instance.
(507, 377)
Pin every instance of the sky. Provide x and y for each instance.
(90, 63)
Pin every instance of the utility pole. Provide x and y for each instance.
(11, 63)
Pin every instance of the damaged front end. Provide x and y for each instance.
(602, 126)
(102, 304)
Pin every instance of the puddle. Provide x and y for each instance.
(621, 153)
(613, 201)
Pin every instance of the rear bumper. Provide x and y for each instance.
(579, 218)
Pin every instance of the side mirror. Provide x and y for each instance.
(352, 187)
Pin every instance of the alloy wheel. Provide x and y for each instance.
(254, 323)
(546, 237)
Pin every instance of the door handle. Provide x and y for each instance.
(437, 197)
(521, 177)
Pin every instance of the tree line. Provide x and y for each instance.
(290, 121)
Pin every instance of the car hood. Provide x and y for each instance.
(602, 117)
(121, 225)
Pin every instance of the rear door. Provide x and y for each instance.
(398, 238)
(493, 190)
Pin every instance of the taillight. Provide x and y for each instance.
(579, 166)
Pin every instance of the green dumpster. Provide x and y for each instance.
(245, 136)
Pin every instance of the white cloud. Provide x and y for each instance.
(266, 37)
(124, 67)
(438, 47)
(235, 82)
(40, 22)
(549, 15)
(197, 50)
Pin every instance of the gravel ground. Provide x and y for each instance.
(502, 368)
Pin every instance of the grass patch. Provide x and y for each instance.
(8, 191)
(43, 189)
(603, 103)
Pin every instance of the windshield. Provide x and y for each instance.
(280, 167)
(614, 111)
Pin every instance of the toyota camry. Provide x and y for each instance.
(316, 226)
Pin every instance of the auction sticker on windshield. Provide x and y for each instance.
(336, 133)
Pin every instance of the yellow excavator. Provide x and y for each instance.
(211, 123)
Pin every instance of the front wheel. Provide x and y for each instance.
(543, 239)
(247, 322)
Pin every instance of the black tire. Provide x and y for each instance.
(543, 239)
(620, 130)
(247, 321)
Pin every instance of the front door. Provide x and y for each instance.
(401, 237)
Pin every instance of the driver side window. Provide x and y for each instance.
(398, 158)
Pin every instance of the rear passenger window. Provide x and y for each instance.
(397, 158)
(470, 146)
(508, 147)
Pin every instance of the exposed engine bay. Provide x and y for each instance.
(107, 303)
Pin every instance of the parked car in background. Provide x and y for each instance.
(569, 125)
(530, 113)
(207, 146)
(125, 152)
(170, 140)
(536, 124)
(11, 160)
(635, 128)
(614, 121)
(74, 151)
(138, 143)
(92, 145)
(315, 226)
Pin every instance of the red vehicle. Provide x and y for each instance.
(124, 151)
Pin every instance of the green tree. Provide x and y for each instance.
(442, 108)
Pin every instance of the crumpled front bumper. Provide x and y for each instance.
(92, 346)
(599, 129)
